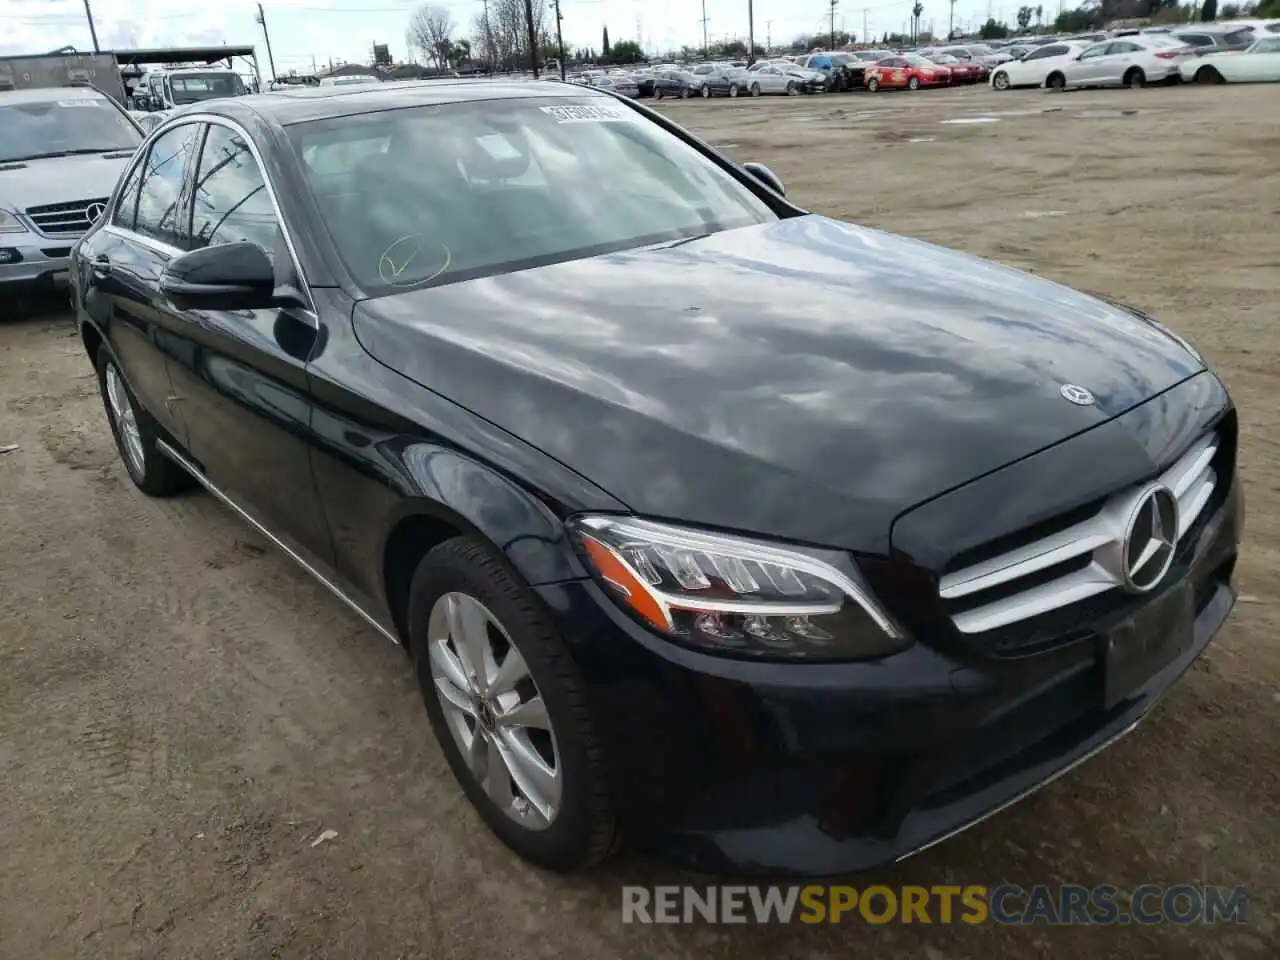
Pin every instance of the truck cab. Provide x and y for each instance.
(168, 89)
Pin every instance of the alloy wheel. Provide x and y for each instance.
(126, 420)
(494, 710)
(1001, 81)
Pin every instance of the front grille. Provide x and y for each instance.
(63, 219)
(1073, 568)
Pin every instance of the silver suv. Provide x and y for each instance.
(61, 152)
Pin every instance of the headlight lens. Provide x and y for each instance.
(9, 223)
(734, 595)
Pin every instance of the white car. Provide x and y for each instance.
(1260, 63)
(1127, 62)
(348, 81)
(1041, 67)
(770, 79)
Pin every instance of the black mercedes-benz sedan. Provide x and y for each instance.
(766, 542)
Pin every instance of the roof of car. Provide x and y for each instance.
(46, 94)
(307, 103)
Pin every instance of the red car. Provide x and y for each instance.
(962, 71)
(905, 70)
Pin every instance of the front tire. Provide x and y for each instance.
(1209, 75)
(1056, 81)
(509, 708)
(706, 92)
(755, 89)
(1135, 78)
(733, 89)
(135, 434)
(657, 93)
(873, 84)
(913, 83)
(791, 89)
(684, 93)
(1000, 81)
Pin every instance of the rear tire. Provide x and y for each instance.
(1000, 81)
(135, 434)
(755, 89)
(1135, 78)
(1209, 75)
(733, 89)
(706, 92)
(913, 83)
(873, 84)
(684, 93)
(657, 93)
(573, 784)
(791, 89)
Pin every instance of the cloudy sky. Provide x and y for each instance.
(346, 29)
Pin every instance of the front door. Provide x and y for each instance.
(240, 377)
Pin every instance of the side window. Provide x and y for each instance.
(127, 206)
(1093, 52)
(231, 201)
(161, 199)
(1195, 39)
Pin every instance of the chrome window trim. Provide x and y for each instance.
(211, 118)
(288, 551)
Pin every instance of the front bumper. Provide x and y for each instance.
(818, 770)
(25, 259)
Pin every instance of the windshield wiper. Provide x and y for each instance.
(66, 153)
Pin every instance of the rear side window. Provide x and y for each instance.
(1239, 37)
(161, 197)
(127, 207)
(1053, 50)
(1195, 39)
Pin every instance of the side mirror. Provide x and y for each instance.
(227, 276)
(765, 176)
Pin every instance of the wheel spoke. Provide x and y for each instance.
(539, 783)
(113, 395)
(469, 629)
(512, 671)
(531, 713)
(499, 784)
(447, 666)
(453, 697)
(478, 755)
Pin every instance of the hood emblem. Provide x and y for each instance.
(94, 211)
(1150, 540)
(1076, 394)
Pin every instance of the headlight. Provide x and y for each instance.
(9, 223)
(733, 595)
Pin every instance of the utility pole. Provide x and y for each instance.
(271, 60)
(559, 40)
(834, 4)
(533, 37)
(751, 32)
(768, 37)
(93, 32)
(951, 21)
(705, 46)
(865, 38)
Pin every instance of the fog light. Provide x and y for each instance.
(10, 255)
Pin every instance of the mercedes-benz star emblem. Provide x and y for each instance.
(1076, 394)
(94, 211)
(1150, 540)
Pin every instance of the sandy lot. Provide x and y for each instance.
(182, 712)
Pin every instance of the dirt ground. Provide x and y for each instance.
(182, 712)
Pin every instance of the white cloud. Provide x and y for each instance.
(347, 29)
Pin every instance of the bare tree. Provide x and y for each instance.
(431, 31)
(505, 42)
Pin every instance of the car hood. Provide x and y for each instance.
(61, 180)
(805, 379)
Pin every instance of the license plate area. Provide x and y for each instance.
(1155, 636)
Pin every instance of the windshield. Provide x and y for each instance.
(58, 127)
(192, 87)
(439, 194)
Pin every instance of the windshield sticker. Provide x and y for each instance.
(584, 113)
(78, 103)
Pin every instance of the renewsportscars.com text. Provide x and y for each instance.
(1064, 904)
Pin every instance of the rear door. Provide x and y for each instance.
(241, 376)
(1091, 67)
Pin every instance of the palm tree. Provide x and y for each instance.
(1039, 16)
(915, 12)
